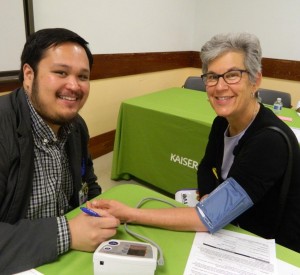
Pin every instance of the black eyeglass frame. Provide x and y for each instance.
(204, 77)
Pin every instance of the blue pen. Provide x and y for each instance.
(90, 212)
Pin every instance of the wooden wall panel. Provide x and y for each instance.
(282, 69)
(113, 65)
(102, 144)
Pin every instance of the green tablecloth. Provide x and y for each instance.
(161, 137)
(175, 245)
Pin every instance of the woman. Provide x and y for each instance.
(241, 173)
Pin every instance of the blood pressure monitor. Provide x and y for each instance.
(125, 257)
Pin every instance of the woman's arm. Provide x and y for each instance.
(181, 218)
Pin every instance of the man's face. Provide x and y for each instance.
(61, 85)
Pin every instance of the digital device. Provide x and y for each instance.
(125, 258)
(189, 197)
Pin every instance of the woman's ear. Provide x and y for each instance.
(258, 80)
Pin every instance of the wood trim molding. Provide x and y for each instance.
(102, 144)
(9, 86)
(282, 69)
(114, 65)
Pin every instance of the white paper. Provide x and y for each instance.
(231, 253)
(29, 272)
(296, 132)
(287, 269)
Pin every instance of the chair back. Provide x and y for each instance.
(269, 97)
(194, 83)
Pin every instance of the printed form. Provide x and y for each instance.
(231, 253)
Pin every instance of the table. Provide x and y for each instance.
(175, 245)
(76, 262)
(162, 136)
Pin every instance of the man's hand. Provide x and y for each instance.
(88, 232)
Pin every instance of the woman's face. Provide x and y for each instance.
(230, 100)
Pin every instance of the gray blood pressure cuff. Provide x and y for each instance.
(223, 205)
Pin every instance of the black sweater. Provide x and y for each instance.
(260, 159)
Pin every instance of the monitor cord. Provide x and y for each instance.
(160, 260)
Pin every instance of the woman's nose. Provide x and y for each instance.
(221, 84)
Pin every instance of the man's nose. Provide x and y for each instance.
(72, 83)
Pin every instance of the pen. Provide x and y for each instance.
(89, 212)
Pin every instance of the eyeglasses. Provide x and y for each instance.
(230, 77)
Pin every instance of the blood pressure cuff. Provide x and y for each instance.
(223, 205)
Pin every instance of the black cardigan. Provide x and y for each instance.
(259, 164)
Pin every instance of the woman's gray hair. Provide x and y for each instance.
(246, 43)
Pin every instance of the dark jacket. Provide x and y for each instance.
(260, 160)
(24, 243)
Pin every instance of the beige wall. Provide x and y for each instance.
(102, 107)
(4, 93)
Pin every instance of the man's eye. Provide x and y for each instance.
(61, 73)
(84, 77)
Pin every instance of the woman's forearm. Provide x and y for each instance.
(181, 218)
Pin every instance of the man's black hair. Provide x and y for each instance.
(38, 43)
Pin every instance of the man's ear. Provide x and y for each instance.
(28, 75)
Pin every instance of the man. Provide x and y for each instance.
(45, 168)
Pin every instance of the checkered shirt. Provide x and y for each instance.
(52, 179)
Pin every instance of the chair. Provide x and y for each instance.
(194, 83)
(269, 97)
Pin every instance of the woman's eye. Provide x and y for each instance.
(212, 77)
(231, 75)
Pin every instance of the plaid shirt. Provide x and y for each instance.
(52, 179)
